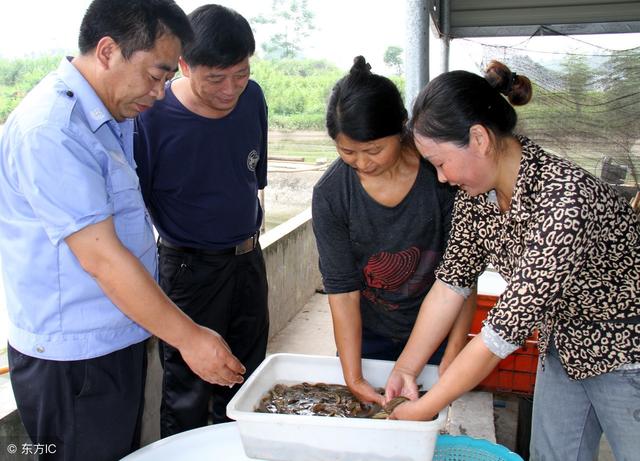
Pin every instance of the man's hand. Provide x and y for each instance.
(209, 356)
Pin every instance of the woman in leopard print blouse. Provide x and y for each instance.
(568, 247)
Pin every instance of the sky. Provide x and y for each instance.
(344, 28)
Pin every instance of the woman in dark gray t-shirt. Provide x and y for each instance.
(381, 220)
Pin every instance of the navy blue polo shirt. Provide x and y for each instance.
(200, 176)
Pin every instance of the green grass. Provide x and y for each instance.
(312, 145)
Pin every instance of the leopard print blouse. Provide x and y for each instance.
(569, 249)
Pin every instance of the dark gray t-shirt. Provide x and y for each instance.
(388, 253)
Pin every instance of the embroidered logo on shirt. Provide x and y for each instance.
(252, 160)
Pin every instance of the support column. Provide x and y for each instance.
(445, 24)
(417, 49)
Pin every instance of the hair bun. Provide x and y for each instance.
(515, 87)
(360, 66)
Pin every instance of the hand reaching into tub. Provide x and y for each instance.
(365, 392)
(401, 383)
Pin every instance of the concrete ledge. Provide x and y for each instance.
(291, 258)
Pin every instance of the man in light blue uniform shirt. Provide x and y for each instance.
(76, 242)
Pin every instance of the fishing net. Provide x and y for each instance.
(586, 103)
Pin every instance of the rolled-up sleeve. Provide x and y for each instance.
(495, 343)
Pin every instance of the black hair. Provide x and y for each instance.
(452, 102)
(134, 25)
(365, 106)
(223, 37)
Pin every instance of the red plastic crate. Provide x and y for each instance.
(517, 372)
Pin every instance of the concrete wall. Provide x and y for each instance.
(291, 258)
(292, 270)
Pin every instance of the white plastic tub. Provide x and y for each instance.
(321, 438)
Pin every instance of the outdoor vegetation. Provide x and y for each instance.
(18, 76)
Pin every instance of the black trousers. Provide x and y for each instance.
(227, 293)
(83, 409)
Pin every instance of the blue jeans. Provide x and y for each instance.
(569, 416)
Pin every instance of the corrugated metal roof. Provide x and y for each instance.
(479, 18)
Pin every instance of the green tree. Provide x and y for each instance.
(576, 79)
(393, 58)
(293, 22)
(622, 90)
(296, 90)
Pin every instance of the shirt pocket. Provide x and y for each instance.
(130, 217)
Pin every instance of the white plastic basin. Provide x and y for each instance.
(320, 438)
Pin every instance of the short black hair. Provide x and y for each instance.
(365, 106)
(223, 38)
(134, 25)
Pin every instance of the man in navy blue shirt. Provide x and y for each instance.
(201, 156)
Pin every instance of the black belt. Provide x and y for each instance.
(241, 248)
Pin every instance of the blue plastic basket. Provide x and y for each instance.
(463, 448)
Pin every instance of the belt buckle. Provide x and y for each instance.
(247, 246)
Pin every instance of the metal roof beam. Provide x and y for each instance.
(512, 17)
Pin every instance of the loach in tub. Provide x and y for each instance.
(322, 399)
